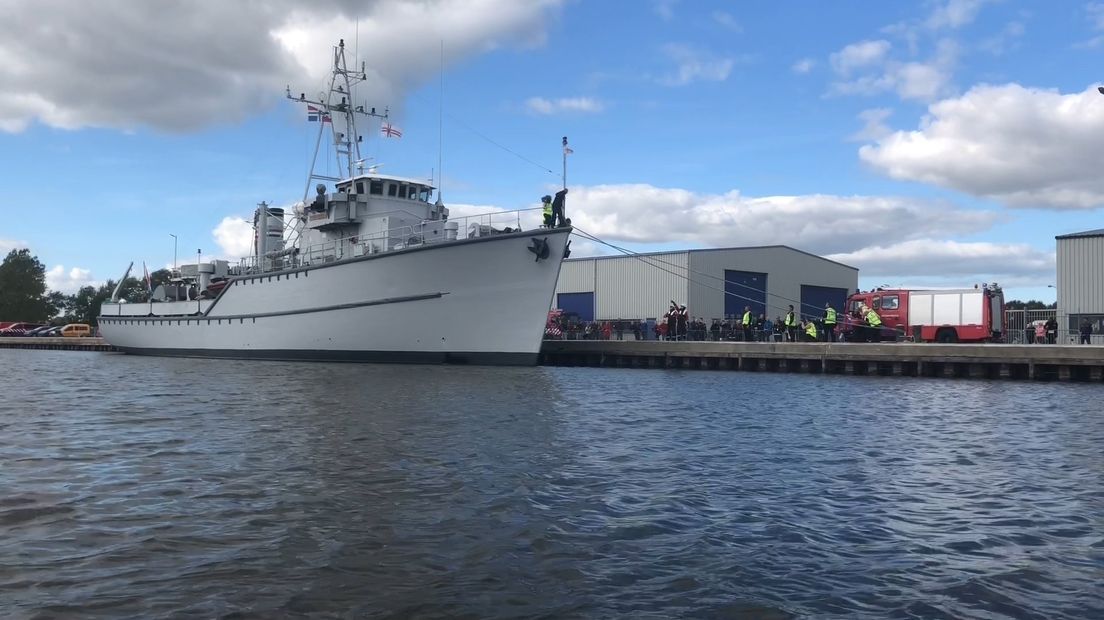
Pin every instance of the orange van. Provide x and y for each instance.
(76, 330)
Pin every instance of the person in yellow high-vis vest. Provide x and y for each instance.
(810, 331)
(829, 322)
(873, 324)
(745, 322)
(546, 205)
(791, 325)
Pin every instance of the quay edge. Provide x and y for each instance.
(979, 361)
(57, 344)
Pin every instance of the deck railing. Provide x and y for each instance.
(403, 237)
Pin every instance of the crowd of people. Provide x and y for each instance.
(678, 324)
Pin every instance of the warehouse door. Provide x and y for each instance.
(813, 299)
(579, 303)
(745, 288)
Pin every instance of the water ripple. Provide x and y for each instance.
(243, 490)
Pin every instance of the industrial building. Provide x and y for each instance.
(1080, 281)
(712, 284)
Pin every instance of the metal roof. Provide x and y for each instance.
(754, 247)
(1099, 232)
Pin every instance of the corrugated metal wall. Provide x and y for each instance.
(1080, 278)
(633, 288)
(638, 288)
(786, 268)
(576, 276)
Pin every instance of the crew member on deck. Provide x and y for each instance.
(558, 208)
(546, 204)
(791, 325)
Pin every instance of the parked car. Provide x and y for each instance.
(19, 329)
(76, 330)
(38, 330)
(53, 331)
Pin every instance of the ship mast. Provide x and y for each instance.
(338, 103)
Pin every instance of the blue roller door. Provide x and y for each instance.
(745, 288)
(579, 303)
(813, 299)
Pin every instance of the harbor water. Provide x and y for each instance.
(145, 487)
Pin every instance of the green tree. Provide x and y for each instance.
(84, 306)
(159, 277)
(1033, 304)
(58, 303)
(23, 288)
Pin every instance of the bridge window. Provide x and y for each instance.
(412, 193)
(392, 189)
(424, 194)
(375, 188)
(360, 187)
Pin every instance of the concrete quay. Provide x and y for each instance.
(56, 343)
(976, 361)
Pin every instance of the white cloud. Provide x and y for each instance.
(803, 66)
(859, 55)
(727, 21)
(540, 105)
(955, 13)
(182, 66)
(873, 126)
(1006, 40)
(58, 279)
(695, 65)
(816, 223)
(234, 236)
(952, 260)
(1026, 147)
(1095, 11)
(866, 69)
(7, 245)
(665, 8)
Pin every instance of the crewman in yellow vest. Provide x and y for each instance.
(873, 322)
(810, 331)
(791, 325)
(829, 322)
(746, 323)
(546, 203)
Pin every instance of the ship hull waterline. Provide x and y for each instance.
(476, 301)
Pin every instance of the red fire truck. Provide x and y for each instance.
(959, 315)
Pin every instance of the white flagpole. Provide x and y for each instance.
(565, 162)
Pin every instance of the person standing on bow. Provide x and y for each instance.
(558, 208)
(546, 205)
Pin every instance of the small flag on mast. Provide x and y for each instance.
(315, 114)
(567, 149)
(387, 130)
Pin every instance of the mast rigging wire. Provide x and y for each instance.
(646, 258)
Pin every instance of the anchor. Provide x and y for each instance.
(540, 248)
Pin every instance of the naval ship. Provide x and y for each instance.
(368, 270)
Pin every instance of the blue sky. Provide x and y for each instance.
(936, 143)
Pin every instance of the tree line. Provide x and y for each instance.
(24, 296)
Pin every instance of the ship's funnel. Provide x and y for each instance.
(268, 229)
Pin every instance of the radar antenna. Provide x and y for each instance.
(337, 103)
